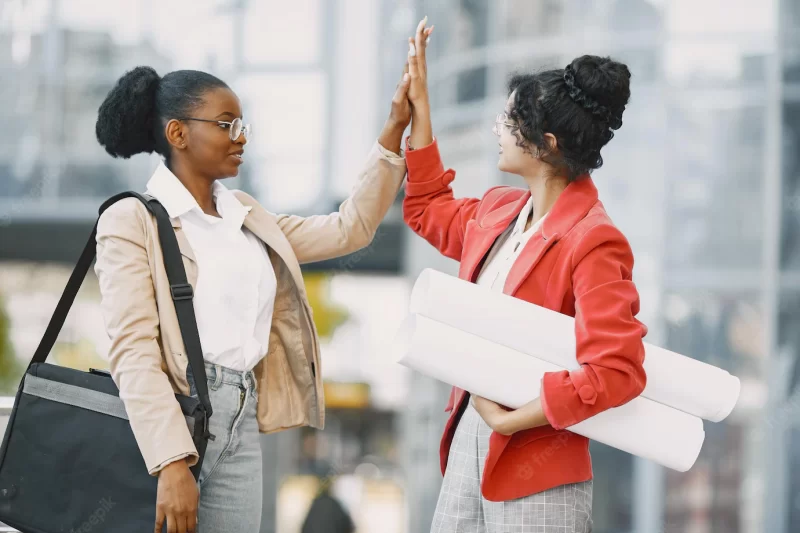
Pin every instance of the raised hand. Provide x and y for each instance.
(418, 67)
(401, 108)
(399, 116)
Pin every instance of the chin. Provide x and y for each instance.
(230, 172)
(501, 165)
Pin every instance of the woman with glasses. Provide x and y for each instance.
(550, 243)
(259, 344)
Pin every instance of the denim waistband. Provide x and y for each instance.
(218, 374)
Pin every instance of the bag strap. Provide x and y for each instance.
(180, 288)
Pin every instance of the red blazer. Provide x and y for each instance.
(579, 264)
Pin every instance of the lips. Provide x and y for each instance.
(237, 156)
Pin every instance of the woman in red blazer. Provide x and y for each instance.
(551, 244)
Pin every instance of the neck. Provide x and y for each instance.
(545, 186)
(198, 186)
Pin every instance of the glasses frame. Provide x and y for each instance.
(244, 129)
(502, 118)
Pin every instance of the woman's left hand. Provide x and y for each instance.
(506, 422)
(400, 114)
(391, 136)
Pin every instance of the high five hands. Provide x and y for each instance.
(417, 64)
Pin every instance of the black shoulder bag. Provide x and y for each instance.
(69, 460)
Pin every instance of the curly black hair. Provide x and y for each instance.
(131, 119)
(581, 105)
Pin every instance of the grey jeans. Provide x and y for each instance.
(231, 481)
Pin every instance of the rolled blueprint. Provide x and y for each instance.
(673, 379)
(641, 427)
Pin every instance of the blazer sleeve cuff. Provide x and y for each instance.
(554, 404)
(192, 460)
(425, 160)
(388, 155)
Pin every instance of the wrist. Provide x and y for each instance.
(175, 465)
(392, 125)
(420, 106)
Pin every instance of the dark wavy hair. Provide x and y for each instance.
(131, 119)
(581, 105)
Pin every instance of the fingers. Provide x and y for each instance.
(403, 75)
(183, 523)
(420, 37)
(401, 93)
(172, 523)
(159, 520)
(413, 70)
(417, 46)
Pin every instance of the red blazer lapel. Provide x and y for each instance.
(571, 207)
(534, 249)
(484, 233)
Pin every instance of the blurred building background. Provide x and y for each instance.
(704, 179)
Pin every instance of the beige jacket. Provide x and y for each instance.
(147, 359)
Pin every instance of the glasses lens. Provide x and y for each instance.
(236, 128)
(247, 129)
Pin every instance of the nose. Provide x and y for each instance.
(242, 139)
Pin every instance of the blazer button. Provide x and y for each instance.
(587, 394)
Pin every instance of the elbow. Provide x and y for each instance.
(412, 214)
(632, 383)
(358, 238)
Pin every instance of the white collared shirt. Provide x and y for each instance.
(507, 249)
(234, 297)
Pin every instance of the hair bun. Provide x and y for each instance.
(125, 120)
(601, 85)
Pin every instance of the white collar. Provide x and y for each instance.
(522, 219)
(165, 186)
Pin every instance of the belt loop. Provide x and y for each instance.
(217, 377)
(250, 379)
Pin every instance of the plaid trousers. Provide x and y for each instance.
(462, 509)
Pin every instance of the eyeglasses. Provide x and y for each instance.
(502, 118)
(235, 128)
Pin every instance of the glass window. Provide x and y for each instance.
(791, 60)
(471, 85)
(635, 16)
(793, 523)
(722, 329)
(287, 112)
(724, 63)
(279, 33)
(704, 16)
(714, 184)
(789, 334)
(725, 330)
(790, 236)
(790, 15)
(612, 491)
(524, 19)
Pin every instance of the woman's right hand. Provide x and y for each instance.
(417, 64)
(421, 129)
(177, 500)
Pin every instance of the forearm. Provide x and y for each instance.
(391, 136)
(421, 128)
(528, 416)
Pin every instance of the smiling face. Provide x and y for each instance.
(205, 145)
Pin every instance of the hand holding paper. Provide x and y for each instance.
(504, 360)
